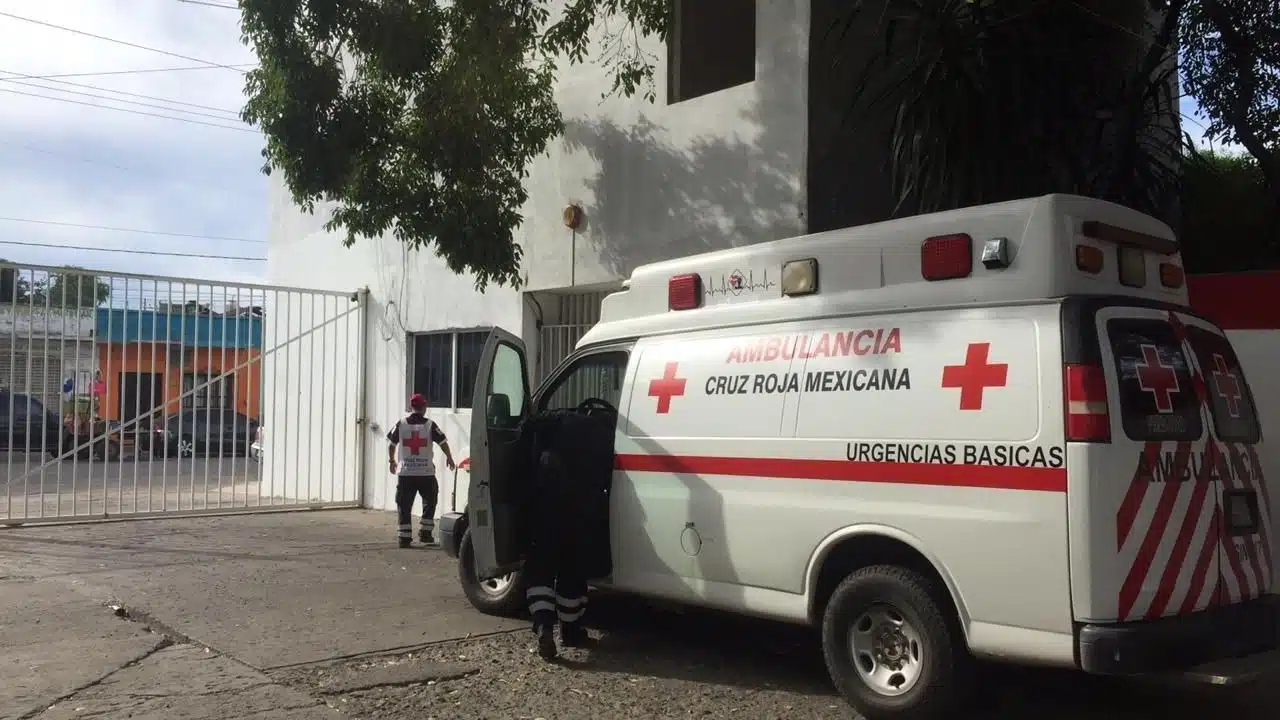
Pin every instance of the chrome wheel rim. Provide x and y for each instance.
(186, 448)
(497, 586)
(887, 651)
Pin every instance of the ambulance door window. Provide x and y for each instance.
(1230, 401)
(591, 376)
(1157, 398)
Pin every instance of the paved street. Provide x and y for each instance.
(33, 486)
(318, 615)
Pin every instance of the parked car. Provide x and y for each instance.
(217, 432)
(26, 424)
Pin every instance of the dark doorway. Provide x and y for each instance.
(138, 395)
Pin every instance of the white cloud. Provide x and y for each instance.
(65, 162)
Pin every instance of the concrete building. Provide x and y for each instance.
(744, 144)
(46, 351)
(175, 359)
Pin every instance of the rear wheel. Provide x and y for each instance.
(893, 647)
(502, 596)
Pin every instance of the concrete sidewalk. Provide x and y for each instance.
(88, 607)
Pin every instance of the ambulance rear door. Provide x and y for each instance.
(1244, 555)
(1149, 471)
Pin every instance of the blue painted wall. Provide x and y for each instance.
(130, 326)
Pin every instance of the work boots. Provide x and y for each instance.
(573, 635)
(547, 649)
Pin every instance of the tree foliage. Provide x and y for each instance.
(420, 117)
(998, 99)
(1229, 215)
(1231, 66)
(71, 288)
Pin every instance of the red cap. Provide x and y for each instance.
(417, 401)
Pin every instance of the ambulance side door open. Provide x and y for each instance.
(500, 405)
(589, 384)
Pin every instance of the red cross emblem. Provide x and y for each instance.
(667, 387)
(1224, 381)
(415, 442)
(975, 375)
(1157, 378)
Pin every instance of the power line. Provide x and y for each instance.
(209, 4)
(133, 112)
(108, 98)
(103, 163)
(120, 42)
(140, 71)
(128, 230)
(102, 89)
(131, 252)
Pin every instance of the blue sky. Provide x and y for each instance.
(70, 163)
(62, 162)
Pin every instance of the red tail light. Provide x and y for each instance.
(1171, 275)
(1085, 392)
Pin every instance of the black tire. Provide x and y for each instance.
(509, 602)
(942, 682)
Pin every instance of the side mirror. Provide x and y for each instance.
(498, 411)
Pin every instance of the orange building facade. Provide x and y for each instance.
(151, 365)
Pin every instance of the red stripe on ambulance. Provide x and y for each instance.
(1039, 479)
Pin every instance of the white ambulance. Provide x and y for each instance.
(997, 432)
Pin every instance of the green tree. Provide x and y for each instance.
(997, 99)
(73, 289)
(420, 117)
(1229, 215)
(1231, 66)
(72, 286)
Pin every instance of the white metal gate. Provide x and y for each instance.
(138, 396)
(569, 318)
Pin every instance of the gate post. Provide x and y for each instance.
(362, 414)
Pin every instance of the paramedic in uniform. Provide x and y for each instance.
(410, 459)
(560, 514)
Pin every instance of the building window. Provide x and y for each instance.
(470, 345)
(443, 367)
(200, 391)
(712, 47)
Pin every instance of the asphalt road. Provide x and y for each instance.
(33, 486)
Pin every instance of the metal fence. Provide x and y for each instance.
(569, 318)
(132, 395)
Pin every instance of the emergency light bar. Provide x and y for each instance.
(1131, 258)
(684, 292)
(1130, 238)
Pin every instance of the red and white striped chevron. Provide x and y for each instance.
(1172, 531)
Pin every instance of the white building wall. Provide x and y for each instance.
(408, 292)
(658, 181)
(654, 180)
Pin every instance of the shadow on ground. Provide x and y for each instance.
(710, 648)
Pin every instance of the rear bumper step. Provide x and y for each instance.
(1220, 642)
